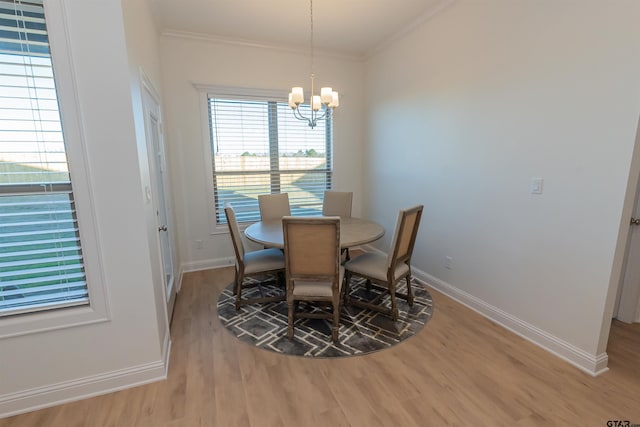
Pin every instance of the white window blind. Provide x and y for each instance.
(41, 265)
(259, 147)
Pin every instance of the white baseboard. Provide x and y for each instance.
(179, 280)
(166, 352)
(83, 388)
(206, 264)
(592, 364)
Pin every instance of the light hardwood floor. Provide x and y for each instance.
(460, 369)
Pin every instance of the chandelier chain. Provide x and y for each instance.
(311, 46)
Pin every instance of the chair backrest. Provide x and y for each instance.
(312, 249)
(274, 206)
(236, 237)
(405, 236)
(337, 203)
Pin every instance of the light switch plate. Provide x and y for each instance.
(537, 185)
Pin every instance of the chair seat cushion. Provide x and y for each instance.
(375, 265)
(316, 289)
(263, 260)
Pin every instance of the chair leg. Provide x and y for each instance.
(240, 277)
(290, 304)
(235, 281)
(336, 321)
(343, 291)
(409, 290)
(347, 282)
(394, 303)
(367, 285)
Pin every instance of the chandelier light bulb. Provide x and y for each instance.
(326, 94)
(335, 101)
(316, 103)
(297, 95)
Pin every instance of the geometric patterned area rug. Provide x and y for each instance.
(361, 331)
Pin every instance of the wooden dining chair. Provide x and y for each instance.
(274, 206)
(313, 270)
(338, 203)
(386, 271)
(250, 264)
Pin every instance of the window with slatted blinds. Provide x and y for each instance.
(41, 265)
(259, 147)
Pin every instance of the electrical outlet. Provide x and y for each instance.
(198, 244)
(448, 263)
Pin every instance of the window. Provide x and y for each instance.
(41, 261)
(259, 147)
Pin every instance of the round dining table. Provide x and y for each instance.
(353, 232)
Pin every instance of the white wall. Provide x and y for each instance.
(65, 364)
(142, 40)
(187, 61)
(466, 109)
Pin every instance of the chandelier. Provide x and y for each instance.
(327, 98)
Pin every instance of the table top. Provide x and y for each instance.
(353, 232)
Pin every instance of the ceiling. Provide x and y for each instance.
(351, 27)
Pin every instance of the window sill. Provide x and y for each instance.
(33, 323)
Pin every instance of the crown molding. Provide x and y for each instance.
(409, 28)
(231, 41)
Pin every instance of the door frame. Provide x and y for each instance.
(627, 302)
(628, 298)
(169, 289)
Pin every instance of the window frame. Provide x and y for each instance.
(77, 157)
(241, 94)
